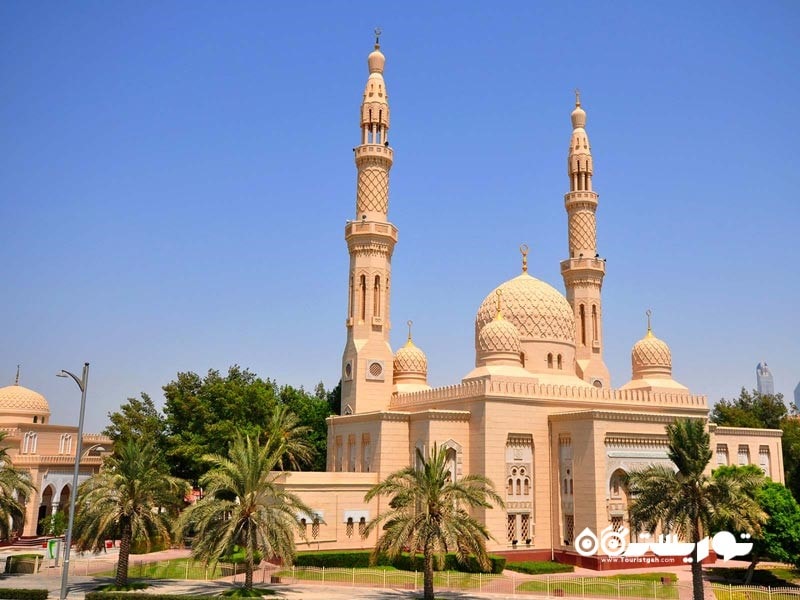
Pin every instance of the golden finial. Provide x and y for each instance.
(649, 314)
(378, 32)
(16, 380)
(499, 314)
(524, 250)
(577, 97)
(409, 323)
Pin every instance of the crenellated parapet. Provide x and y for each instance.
(565, 394)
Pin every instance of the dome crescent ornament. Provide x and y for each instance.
(523, 248)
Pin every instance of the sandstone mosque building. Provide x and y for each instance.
(46, 451)
(536, 414)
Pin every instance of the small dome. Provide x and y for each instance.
(498, 336)
(410, 360)
(578, 118)
(537, 310)
(376, 60)
(18, 400)
(651, 357)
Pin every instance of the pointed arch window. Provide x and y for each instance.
(583, 324)
(559, 362)
(363, 297)
(350, 299)
(376, 297)
(595, 335)
(549, 360)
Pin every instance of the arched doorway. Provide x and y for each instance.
(63, 501)
(45, 508)
(618, 500)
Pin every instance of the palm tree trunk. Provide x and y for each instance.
(248, 573)
(121, 579)
(697, 568)
(427, 575)
(748, 577)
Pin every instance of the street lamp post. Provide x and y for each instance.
(78, 450)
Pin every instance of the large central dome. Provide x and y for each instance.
(19, 402)
(536, 309)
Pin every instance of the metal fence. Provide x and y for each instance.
(754, 592)
(510, 583)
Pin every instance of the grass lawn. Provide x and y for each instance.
(389, 575)
(177, 568)
(646, 585)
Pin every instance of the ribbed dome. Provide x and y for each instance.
(15, 399)
(651, 356)
(410, 360)
(498, 336)
(537, 310)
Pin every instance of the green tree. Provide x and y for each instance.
(15, 487)
(132, 496)
(312, 412)
(138, 419)
(791, 452)
(204, 415)
(750, 409)
(780, 535)
(428, 514)
(244, 506)
(688, 502)
(334, 398)
(54, 524)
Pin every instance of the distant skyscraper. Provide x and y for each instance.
(764, 382)
(797, 396)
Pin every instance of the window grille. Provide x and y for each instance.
(744, 455)
(569, 529)
(525, 526)
(511, 528)
(722, 454)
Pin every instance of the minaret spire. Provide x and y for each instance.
(16, 379)
(368, 358)
(584, 270)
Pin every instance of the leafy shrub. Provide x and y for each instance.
(23, 563)
(23, 594)
(239, 557)
(157, 543)
(358, 559)
(533, 567)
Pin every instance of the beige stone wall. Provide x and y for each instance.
(763, 449)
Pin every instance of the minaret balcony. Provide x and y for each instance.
(370, 228)
(378, 150)
(583, 264)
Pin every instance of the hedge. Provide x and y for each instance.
(23, 594)
(451, 563)
(532, 567)
(360, 559)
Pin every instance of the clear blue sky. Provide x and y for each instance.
(175, 178)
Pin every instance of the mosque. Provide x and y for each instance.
(536, 414)
(46, 451)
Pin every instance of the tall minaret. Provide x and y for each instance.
(583, 271)
(367, 360)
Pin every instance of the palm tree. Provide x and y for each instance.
(428, 513)
(15, 487)
(689, 501)
(288, 439)
(244, 506)
(128, 498)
